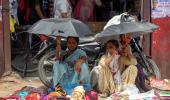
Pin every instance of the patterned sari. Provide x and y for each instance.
(65, 74)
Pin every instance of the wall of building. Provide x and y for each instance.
(160, 38)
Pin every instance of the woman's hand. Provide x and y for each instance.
(58, 47)
(77, 65)
(58, 51)
(108, 60)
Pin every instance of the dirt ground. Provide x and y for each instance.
(11, 82)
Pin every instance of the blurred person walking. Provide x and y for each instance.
(62, 9)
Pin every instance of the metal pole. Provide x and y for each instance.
(151, 39)
(142, 11)
(146, 16)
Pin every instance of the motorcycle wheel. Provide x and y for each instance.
(22, 54)
(153, 69)
(45, 68)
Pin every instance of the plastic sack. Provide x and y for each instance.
(131, 89)
(150, 95)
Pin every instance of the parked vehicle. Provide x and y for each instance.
(25, 50)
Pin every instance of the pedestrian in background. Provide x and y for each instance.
(62, 9)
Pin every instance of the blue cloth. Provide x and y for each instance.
(51, 89)
(65, 74)
(23, 94)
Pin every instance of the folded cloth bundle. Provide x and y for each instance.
(78, 93)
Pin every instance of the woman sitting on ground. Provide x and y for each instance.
(106, 70)
(70, 68)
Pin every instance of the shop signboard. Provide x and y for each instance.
(160, 8)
